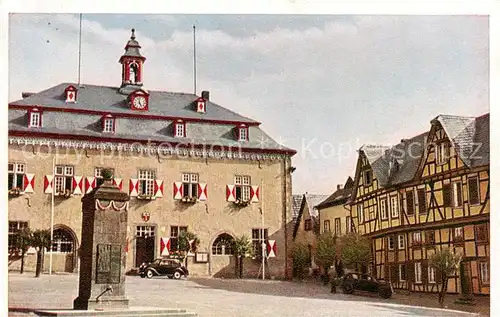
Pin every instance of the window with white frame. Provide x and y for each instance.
(63, 179)
(243, 133)
(361, 213)
(390, 242)
(223, 245)
(35, 119)
(180, 129)
(108, 125)
(14, 228)
(146, 182)
(394, 206)
(98, 174)
(484, 272)
(418, 272)
(442, 152)
(417, 238)
(16, 173)
(402, 272)
(175, 232)
(63, 241)
(242, 185)
(401, 241)
(259, 236)
(457, 194)
(431, 274)
(458, 234)
(190, 185)
(383, 209)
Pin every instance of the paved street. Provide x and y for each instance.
(211, 297)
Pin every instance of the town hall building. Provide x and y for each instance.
(187, 163)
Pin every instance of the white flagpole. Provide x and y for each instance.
(262, 230)
(52, 214)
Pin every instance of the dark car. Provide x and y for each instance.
(364, 282)
(163, 267)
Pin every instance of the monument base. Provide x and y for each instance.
(110, 312)
(114, 302)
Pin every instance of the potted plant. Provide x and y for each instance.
(14, 192)
(241, 202)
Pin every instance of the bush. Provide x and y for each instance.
(301, 259)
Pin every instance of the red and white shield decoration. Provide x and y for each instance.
(48, 184)
(118, 182)
(178, 190)
(70, 94)
(90, 184)
(29, 183)
(230, 193)
(201, 103)
(202, 191)
(77, 185)
(271, 248)
(164, 246)
(133, 187)
(146, 216)
(254, 194)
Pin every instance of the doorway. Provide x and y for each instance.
(144, 245)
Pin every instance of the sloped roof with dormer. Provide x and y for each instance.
(340, 196)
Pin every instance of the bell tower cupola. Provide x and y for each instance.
(132, 66)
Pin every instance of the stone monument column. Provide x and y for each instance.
(102, 254)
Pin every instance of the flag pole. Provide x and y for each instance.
(52, 214)
(194, 58)
(262, 230)
(79, 50)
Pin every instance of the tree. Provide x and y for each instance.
(40, 241)
(446, 262)
(326, 252)
(188, 242)
(242, 247)
(23, 242)
(355, 250)
(301, 259)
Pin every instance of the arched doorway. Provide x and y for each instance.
(223, 245)
(64, 246)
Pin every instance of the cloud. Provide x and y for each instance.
(339, 80)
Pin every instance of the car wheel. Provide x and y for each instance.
(149, 274)
(177, 275)
(348, 288)
(385, 293)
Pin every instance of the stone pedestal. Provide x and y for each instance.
(102, 252)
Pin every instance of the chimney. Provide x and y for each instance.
(339, 186)
(26, 94)
(205, 95)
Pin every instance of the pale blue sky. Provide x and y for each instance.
(319, 84)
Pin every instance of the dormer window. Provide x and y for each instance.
(180, 129)
(201, 105)
(70, 93)
(242, 133)
(108, 124)
(368, 177)
(35, 118)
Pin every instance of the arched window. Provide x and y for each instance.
(63, 241)
(223, 245)
(133, 74)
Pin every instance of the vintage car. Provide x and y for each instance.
(163, 267)
(352, 282)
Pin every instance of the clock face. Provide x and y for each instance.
(140, 102)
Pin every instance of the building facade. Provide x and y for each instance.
(333, 215)
(187, 163)
(425, 193)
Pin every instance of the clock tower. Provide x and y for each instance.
(132, 66)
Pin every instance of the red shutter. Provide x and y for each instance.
(133, 187)
(230, 193)
(202, 191)
(254, 194)
(29, 183)
(48, 182)
(158, 188)
(177, 190)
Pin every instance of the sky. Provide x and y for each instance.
(323, 85)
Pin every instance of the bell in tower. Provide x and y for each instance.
(132, 66)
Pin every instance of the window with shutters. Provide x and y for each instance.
(326, 226)
(447, 195)
(98, 174)
(146, 182)
(402, 272)
(16, 173)
(418, 272)
(175, 232)
(458, 235)
(394, 206)
(242, 184)
(417, 239)
(474, 198)
(481, 233)
(190, 185)
(14, 228)
(401, 241)
(410, 204)
(63, 179)
(338, 229)
(484, 271)
(429, 238)
(422, 203)
(457, 194)
(361, 213)
(431, 274)
(383, 209)
(390, 242)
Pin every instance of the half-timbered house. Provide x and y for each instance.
(424, 193)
